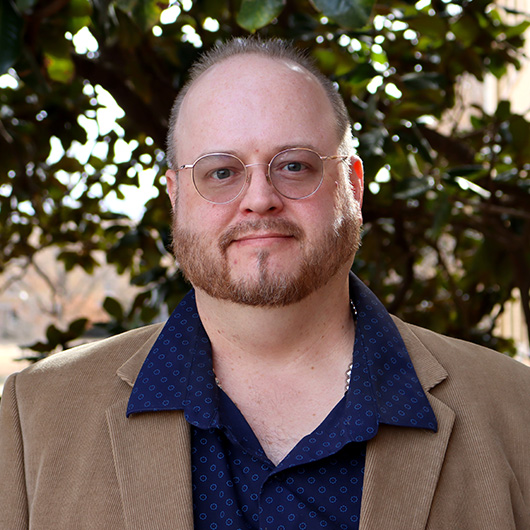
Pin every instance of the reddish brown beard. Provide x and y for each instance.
(210, 272)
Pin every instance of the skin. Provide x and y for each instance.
(284, 383)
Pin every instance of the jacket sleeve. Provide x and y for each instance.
(13, 496)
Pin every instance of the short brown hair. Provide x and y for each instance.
(273, 49)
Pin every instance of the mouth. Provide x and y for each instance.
(260, 233)
(258, 236)
(261, 240)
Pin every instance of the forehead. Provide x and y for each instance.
(253, 101)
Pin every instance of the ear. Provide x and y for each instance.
(171, 183)
(357, 178)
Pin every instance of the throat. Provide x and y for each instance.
(282, 412)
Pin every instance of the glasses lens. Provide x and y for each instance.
(219, 178)
(296, 173)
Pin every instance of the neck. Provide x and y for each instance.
(285, 368)
(276, 336)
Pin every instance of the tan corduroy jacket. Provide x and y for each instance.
(70, 459)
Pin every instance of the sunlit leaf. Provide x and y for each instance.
(60, 69)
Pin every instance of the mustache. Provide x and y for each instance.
(281, 226)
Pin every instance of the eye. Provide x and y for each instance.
(222, 173)
(293, 167)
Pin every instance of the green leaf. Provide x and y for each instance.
(113, 308)
(466, 30)
(515, 31)
(59, 69)
(423, 81)
(442, 214)
(145, 13)
(10, 35)
(127, 5)
(255, 14)
(77, 328)
(349, 14)
(414, 187)
(54, 336)
(80, 8)
(70, 259)
(470, 172)
(433, 27)
(25, 5)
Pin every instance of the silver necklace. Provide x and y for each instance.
(348, 377)
(347, 386)
(349, 369)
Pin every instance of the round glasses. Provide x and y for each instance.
(296, 174)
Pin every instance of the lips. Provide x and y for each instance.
(259, 229)
(251, 236)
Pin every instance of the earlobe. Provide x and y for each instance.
(171, 183)
(357, 177)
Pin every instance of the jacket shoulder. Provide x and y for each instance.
(93, 363)
(452, 350)
(466, 368)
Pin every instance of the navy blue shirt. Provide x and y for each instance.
(319, 483)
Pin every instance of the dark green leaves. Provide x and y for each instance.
(113, 308)
(452, 189)
(10, 35)
(59, 338)
(255, 14)
(350, 14)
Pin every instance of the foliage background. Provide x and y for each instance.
(447, 212)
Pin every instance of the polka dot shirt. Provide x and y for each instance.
(319, 483)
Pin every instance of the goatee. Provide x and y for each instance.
(207, 267)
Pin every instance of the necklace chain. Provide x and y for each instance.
(348, 371)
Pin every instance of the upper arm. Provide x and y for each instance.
(13, 496)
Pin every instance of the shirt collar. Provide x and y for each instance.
(177, 373)
(394, 384)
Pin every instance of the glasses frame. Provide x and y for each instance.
(247, 179)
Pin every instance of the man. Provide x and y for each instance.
(279, 394)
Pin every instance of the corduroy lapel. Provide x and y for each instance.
(152, 459)
(401, 473)
(403, 465)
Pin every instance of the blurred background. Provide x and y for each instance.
(438, 95)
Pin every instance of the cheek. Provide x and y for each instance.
(199, 216)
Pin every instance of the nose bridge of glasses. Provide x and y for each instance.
(257, 164)
(249, 173)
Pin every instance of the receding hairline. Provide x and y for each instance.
(274, 50)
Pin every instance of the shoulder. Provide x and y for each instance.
(459, 352)
(93, 364)
(466, 369)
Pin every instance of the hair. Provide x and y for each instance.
(274, 49)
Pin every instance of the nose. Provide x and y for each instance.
(260, 196)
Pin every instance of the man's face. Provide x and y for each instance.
(262, 249)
